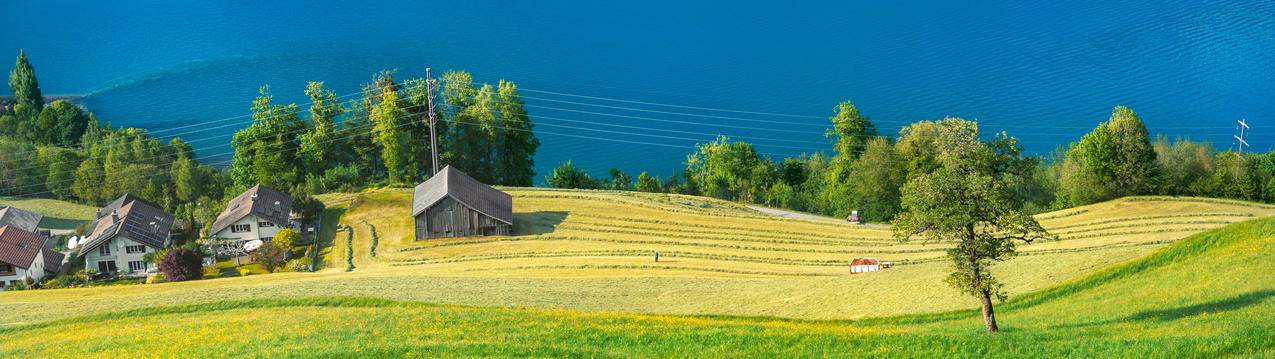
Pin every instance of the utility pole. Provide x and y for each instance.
(1243, 127)
(430, 84)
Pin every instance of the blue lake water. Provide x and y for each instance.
(1046, 72)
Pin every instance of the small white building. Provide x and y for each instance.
(122, 234)
(864, 265)
(256, 214)
(24, 258)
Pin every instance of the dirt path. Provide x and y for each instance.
(791, 214)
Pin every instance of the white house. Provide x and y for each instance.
(23, 257)
(122, 234)
(258, 213)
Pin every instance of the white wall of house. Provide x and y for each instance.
(35, 272)
(119, 254)
(864, 268)
(250, 228)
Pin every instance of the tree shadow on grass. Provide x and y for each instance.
(1170, 314)
(542, 222)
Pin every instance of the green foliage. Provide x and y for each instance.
(388, 119)
(266, 150)
(270, 256)
(567, 175)
(319, 147)
(619, 180)
(516, 141)
(729, 170)
(851, 132)
(61, 123)
(967, 201)
(875, 181)
(1115, 160)
(25, 88)
(648, 183)
(287, 238)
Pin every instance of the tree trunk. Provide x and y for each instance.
(989, 316)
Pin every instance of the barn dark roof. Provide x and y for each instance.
(132, 217)
(19, 247)
(451, 182)
(26, 220)
(265, 202)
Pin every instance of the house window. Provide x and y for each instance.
(135, 249)
(104, 250)
(240, 228)
(137, 266)
(106, 267)
(264, 224)
(5, 268)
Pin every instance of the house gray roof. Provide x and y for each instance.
(53, 261)
(26, 220)
(267, 203)
(132, 217)
(450, 182)
(18, 247)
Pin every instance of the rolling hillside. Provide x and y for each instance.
(57, 214)
(1208, 295)
(595, 251)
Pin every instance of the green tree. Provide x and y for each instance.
(1115, 160)
(729, 170)
(61, 123)
(270, 256)
(62, 167)
(965, 201)
(27, 97)
(265, 151)
(388, 122)
(875, 181)
(851, 132)
(1187, 166)
(620, 180)
(567, 175)
(287, 238)
(88, 181)
(319, 145)
(648, 183)
(516, 143)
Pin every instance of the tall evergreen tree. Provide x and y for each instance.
(25, 87)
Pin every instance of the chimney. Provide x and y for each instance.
(254, 197)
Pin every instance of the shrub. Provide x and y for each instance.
(307, 207)
(181, 264)
(299, 265)
(287, 238)
(349, 248)
(271, 256)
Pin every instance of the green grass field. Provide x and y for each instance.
(57, 214)
(579, 278)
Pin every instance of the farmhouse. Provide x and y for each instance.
(24, 220)
(864, 265)
(452, 204)
(23, 257)
(256, 214)
(122, 233)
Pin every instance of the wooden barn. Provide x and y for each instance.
(864, 265)
(452, 204)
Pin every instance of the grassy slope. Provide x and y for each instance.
(57, 214)
(1205, 296)
(593, 250)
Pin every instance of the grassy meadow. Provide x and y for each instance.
(578, 277)
(1209, 295)
(57, 214)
